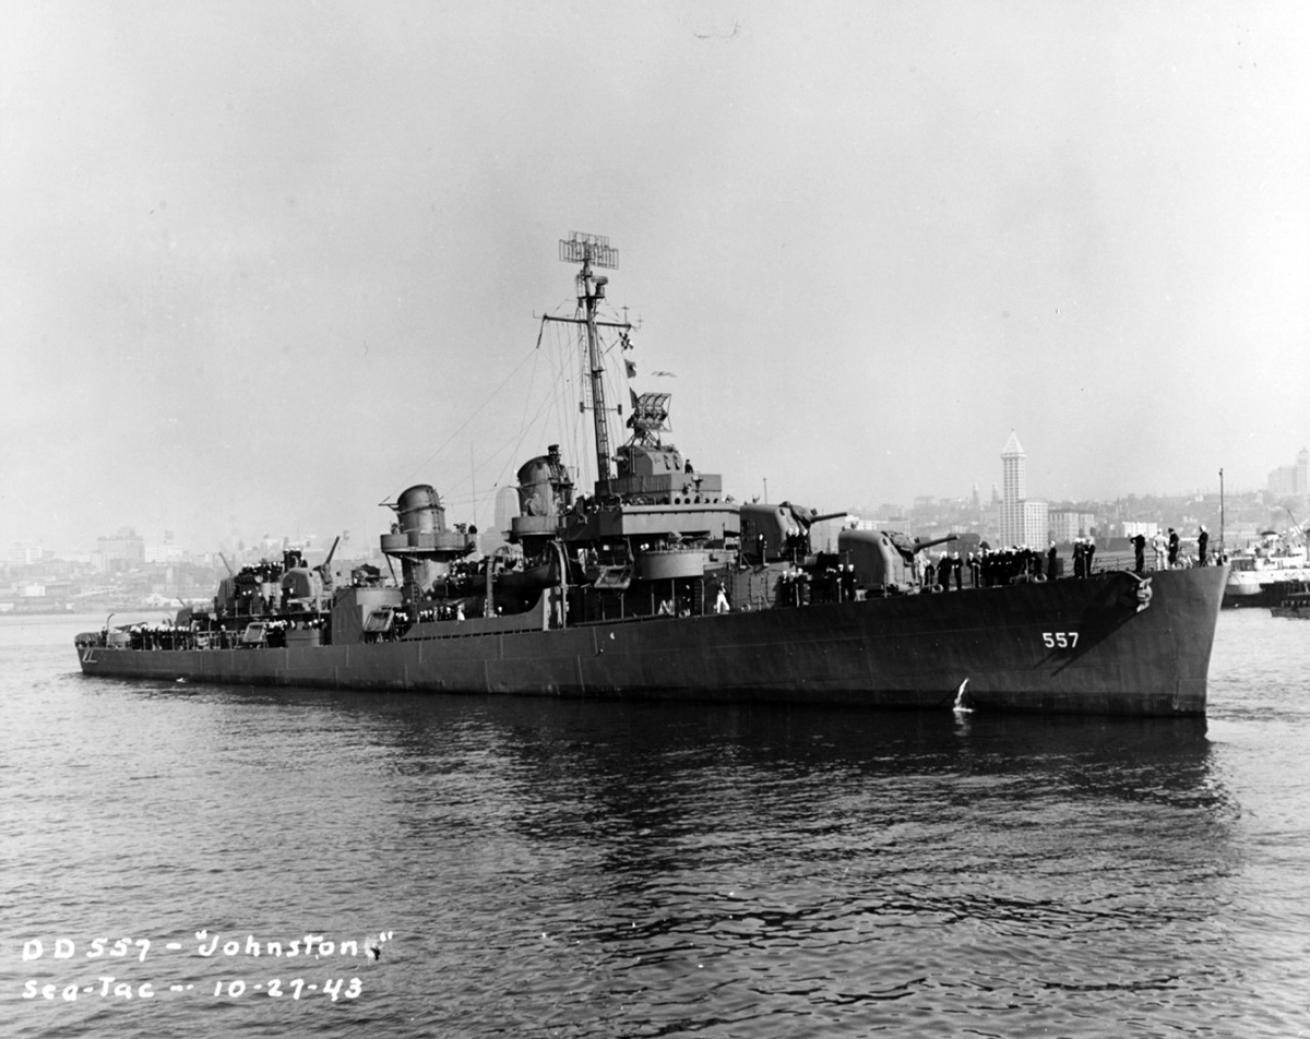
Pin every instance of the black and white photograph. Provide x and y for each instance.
(588, 521)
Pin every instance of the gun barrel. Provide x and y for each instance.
(919, 546)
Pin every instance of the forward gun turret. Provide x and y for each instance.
(919, 546)
(884, 559)
(774, 532)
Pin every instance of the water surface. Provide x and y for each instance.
(543, 868)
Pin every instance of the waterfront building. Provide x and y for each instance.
(1292, 481)
(125, 550)
(1067, 524)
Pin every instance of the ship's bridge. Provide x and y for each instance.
(659, 475)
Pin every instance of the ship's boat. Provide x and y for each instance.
(659, 584)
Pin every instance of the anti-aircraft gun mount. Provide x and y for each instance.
(304, 587)
(270, 587)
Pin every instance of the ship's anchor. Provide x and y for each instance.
(1142, 592)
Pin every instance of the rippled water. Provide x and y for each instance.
(538, 868)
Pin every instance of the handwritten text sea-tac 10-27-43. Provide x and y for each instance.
(128, 951)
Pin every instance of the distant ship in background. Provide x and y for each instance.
(657, 584)
(34, 606)
(1293, 601)
(1260, 573)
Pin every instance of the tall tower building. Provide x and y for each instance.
(1014, 476)
(1022, 522)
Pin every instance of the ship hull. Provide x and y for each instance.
(1069, 646)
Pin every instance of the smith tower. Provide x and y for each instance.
(1014, 476)
(1023, 522)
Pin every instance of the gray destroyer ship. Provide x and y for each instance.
(658, 585)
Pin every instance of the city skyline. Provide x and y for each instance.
(162, 545)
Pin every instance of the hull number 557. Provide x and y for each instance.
(1059, 639)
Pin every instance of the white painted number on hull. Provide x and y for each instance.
(1059, 639)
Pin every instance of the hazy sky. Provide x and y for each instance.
(263, 265)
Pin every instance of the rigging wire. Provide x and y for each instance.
(474, 414)
(500, 457)
(566, 360)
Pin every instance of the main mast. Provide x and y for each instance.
(589, 249)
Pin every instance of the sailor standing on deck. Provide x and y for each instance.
(1173, 547)
(1158, 547)
(1202, 541)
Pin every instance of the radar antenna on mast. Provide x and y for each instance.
(589, 249)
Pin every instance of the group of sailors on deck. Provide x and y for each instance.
(166, 634)
(997, 567)
(1168, 551)
(158, 635)
(444, 611)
